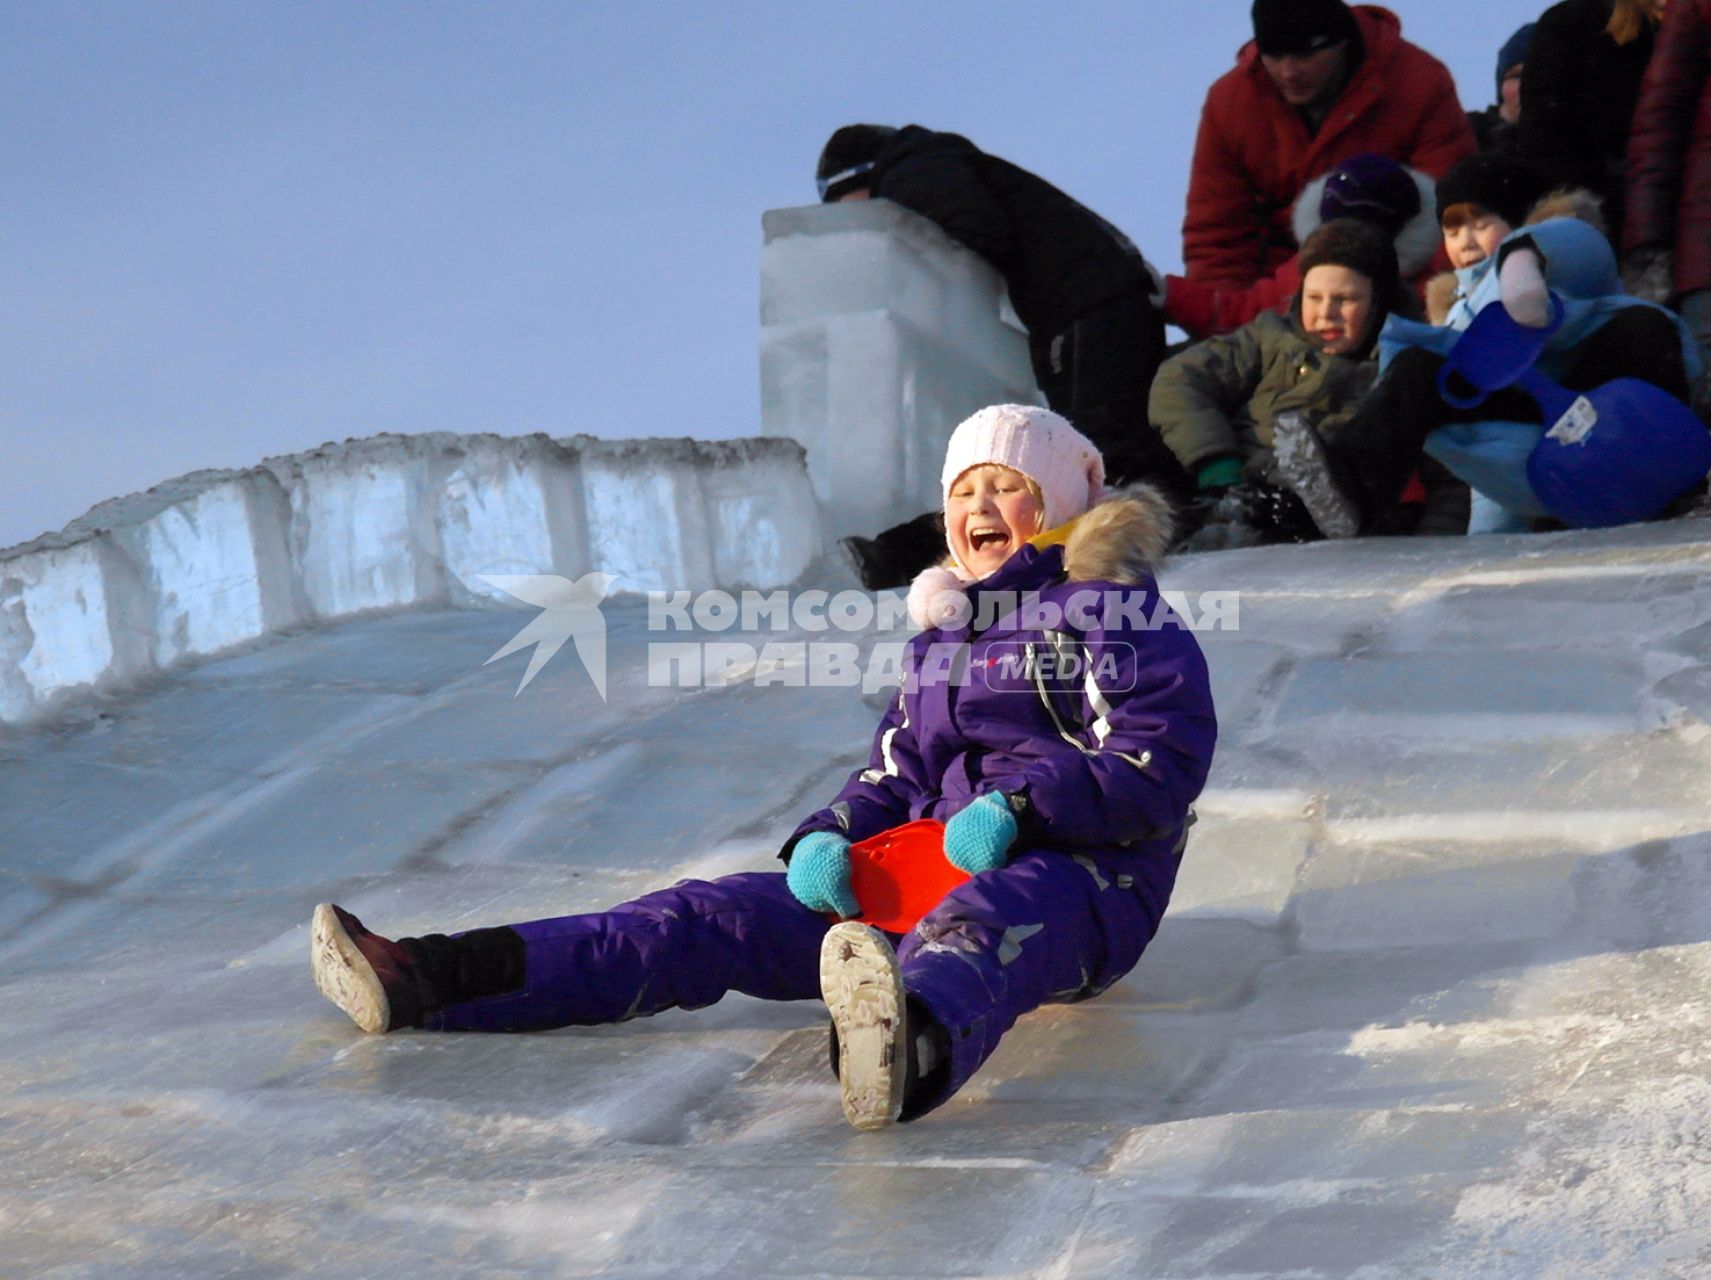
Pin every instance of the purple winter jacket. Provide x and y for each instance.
(1074, 687)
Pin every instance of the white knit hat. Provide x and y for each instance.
(1042, 446)
(1038, 443)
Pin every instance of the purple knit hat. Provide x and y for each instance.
(1373, 188)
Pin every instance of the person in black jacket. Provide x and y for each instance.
(1498, 127)
(1579, 86)
(1082, 289)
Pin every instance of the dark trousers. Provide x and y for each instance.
(1372, 453)
(1695, 308)
(1098, 373)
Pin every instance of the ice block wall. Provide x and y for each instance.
(218, 558)
(878, 335)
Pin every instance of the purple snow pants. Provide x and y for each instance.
(1047, 927)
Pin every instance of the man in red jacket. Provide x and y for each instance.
(1320, 82)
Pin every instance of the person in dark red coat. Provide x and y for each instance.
(1320, 82)
(1667, 234)
(1579, 86)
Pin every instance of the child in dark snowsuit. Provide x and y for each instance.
(1055, 716)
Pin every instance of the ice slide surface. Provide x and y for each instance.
(1431, 1001)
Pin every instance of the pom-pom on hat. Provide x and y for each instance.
(847, 160)
(1041, 445)
(1507, 185)
(1373, 188)
(1301, 27)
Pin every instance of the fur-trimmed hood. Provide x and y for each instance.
(1122, 539)
(1416, 243)
(1570, 202)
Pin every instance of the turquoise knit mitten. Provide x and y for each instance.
(819, 874)
(977, 839)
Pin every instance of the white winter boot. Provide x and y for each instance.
(863, 989)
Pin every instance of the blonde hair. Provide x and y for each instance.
(1630, 18)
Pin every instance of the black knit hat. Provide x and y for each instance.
(1284, 27)
(1505, 184)
(847, 158)
(1359, 246)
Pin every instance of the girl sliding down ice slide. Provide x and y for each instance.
(1055, 716)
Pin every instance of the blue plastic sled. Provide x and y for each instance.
(1620, 453)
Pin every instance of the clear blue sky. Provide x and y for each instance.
(233, 230)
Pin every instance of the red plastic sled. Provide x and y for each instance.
(899, 875)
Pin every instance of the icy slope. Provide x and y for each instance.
(1431, 1001)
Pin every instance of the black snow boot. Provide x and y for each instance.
(1253, 514)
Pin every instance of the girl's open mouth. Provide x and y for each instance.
(982, 539)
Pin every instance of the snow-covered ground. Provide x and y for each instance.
(1431, 1001)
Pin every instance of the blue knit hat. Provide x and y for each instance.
(1513, 53)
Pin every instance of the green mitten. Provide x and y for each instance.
(1220, 474)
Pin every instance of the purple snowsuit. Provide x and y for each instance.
(1078, 691)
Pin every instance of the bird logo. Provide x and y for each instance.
(569, 611)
